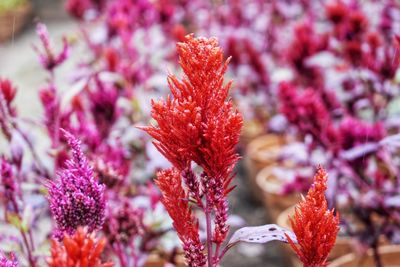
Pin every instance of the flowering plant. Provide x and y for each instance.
(353, 125)
(198, 125)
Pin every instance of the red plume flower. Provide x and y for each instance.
(315, 226)
(198, 124)
(81, 249)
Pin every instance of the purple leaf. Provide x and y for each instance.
(393, 202)
(392, 141)
(261, 234)
(359, 151)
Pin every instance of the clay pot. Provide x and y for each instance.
(12, 21)
(390, 256)
(261, 152)
(271, 187)
(251, 129)
(160, 260)
(342, 246)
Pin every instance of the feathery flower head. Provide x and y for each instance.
(124, 223)
(79, 8)
(315, 226)
(103, 105)
(8, 184)
(300, 109)
(7, 112)
(47, 58)
(52, 109)
(77, 199)
(354, 132)
(80, 249)
(7, 90)
(5, 262)
(175, 200)
(197, 123)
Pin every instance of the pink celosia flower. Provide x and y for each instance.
(12, 262)
(354, 132)
(47, 58)
(103, 106)
(52, 112)
(123, 223)
(78, 8)
(9, 185)
(300, 108)
(76, 199)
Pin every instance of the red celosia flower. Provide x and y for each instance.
(198, 124)
(81, 249)
(315, 225)
(175, 200)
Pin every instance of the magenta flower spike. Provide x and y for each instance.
(47, 58)
(76, 199)
(12, 262)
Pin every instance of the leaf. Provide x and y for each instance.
(13, 219)
(27, 218)
(392, 141)
(261, 234)
(393, 202)
(359, 151)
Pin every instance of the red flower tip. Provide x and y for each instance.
(315, 226)
(80, 249)
(7, 90)
(198, 123)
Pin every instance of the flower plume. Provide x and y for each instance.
(198, 123)
(77, 199)
(315, 226)
(80, 249)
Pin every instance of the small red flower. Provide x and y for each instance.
(315, 226)
(81, 249)
(7, 90)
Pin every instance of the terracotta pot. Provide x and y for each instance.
(271, 187)
(261, 152)
(12, 21)
(390, 256)
(158, 260)
(251, 130)
(342, 247)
